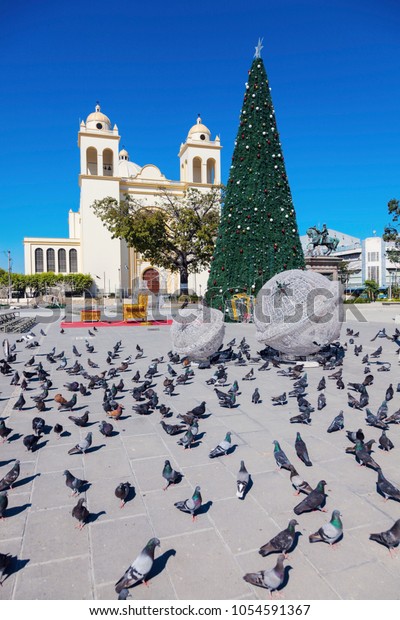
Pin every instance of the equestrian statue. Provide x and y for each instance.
(321, 237)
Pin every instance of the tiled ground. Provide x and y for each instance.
(207, 558)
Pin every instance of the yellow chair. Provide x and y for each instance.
(90, 315)
(240, 302)
(137, 311)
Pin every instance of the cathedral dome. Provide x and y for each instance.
(98, 120)
(127, 169)
(199, 131)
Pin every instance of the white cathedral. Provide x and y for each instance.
(107, 171)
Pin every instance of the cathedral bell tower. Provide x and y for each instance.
(200, 157)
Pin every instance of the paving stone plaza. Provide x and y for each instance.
(206, 558)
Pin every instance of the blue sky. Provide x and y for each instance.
(334, 68)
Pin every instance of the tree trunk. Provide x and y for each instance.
(184, 277)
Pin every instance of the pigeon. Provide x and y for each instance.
(172, 429)
(321, 403)
(68, 405)
(72, 387)
(5, 559)
(191, 505)
(73, 483)
(10, 477)
(58, 429)
(394, 418)
(116, 413)
(242, 481)
(270, 579)
(302, 418)
(82, 446)
(340, 384)
(301, 450)
(321, 384)
(81, 513)
(353, 402)
(280, 457)
(222, 448)
(106, 428)
(329, 532)
(386, 488)
(279, 400)
(337, 423)
(187, 439)
(298, 482)
(355, 436)
(373, 420)
(363, 456)
(199, 410)
(3, 503)
(389, 393)
(256, 397)
(18, 405)
(4, 431)
(80, 421)
(385, 443)
(165, 411)
(75, 351)
(382, 411)
(30, 442)
(122, 492)
(170, 475)
(313, 501)
(390, 538)
(249, 376)
(282, 542)
(140, 567)
(367, 446)
(38, 425)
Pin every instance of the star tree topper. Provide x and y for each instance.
(259, 48)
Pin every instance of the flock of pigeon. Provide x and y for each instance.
(49, 381)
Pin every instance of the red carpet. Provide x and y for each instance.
(89, 324)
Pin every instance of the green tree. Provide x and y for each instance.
(345, 273)
(258, 235)
(372, 289)
(177, 233)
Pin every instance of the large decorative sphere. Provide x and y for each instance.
(297, 312)
(198, 333)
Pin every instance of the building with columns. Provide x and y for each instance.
(106, 171)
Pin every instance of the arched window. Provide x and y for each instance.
(210, 171)
(73, 261)
(62, 261)
(108, 168)
(197, 170)
(38, 260)
(91, 159)
(51, 259)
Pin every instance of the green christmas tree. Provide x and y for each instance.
(258, 235)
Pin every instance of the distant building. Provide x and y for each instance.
(105, 170)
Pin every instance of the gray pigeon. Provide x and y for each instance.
(82, 446)
(280, 457)
(385, 443)
(3, 503)
(282, 542)
(222, 448)
(192, 504)
(301, 450)
(122, 492)
(10, 477)
(313, 501)
(330, 532)
(298, 482)
(73, 483)
(140, 567)
(337, 423)
(170, 475)
(270, 579)
(390, 538)
(242, 481)
(5, 559)
(386, 488)
(81, 513)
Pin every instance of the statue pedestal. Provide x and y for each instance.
(325, 265)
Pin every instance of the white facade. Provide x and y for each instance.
(107, 171)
